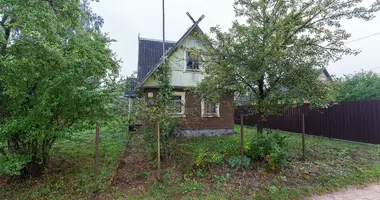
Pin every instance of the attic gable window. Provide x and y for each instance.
(192, 61)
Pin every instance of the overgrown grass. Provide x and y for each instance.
(202, 169)
(70, 170)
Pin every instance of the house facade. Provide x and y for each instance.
(198, 117)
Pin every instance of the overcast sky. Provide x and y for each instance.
(125, 19)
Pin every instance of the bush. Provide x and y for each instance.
(12, 164)
(168, 133)
(269, 148)
(236, 161)
(203, 158)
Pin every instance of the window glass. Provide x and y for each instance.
(210, 108)
(192, 61)
(177, 104)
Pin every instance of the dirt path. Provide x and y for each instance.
(371, 192)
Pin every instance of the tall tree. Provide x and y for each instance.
(359, 86)
(55, 73)
(276, 53)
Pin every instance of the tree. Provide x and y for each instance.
(359, 86)
(56, 75)
(276, 54)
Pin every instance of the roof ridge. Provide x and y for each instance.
(170, 50)
(156, 40)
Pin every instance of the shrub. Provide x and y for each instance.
(168, 133)
(12, 164)
(270, 148)
(236, 161)
(204, 158)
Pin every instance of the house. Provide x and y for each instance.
(325, 75)
(198, 117)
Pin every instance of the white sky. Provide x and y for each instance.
(125, 19)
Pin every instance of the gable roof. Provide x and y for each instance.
(150, 53)
(324, 70)
(152, 68)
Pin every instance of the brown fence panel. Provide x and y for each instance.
(355, 120)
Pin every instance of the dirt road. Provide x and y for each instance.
(371, 192)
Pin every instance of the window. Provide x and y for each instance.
(192, 61)
(178, 103)
(210, 109)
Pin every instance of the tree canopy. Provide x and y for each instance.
(55, 72)
(276, 48)
(359, 86)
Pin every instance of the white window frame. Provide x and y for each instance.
(182, 95)
(191, 70)
(210, 114)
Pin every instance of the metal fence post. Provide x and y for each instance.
(303, 136)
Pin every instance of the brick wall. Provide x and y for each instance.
(193, 119)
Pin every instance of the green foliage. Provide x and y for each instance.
(168, 133)
(275, 55)
(160, 110)
(329, 165)
(270, 147)
(224, 178)
(271, 188)
(205, 159)
(70, 170)
(190, 186)
(235, 161)
(359, 86)
(12, 164)
(58, 74)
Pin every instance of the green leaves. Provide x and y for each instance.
(56, 72)
(274, 58)
(359, 86)
(12, 164)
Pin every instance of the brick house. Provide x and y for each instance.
(197, 116)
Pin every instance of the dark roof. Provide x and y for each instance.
(147, 69)
(131, 88)
(150, 53)
(324, 70)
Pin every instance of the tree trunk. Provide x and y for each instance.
(12, 149)
(33, 169)
(260, 123)
(260, 106)
(36, 149)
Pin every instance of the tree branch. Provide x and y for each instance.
(245, 82)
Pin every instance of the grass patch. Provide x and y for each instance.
(201, 168)
(70, 173)
(205, 168)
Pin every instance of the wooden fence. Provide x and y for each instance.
(355, 121)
